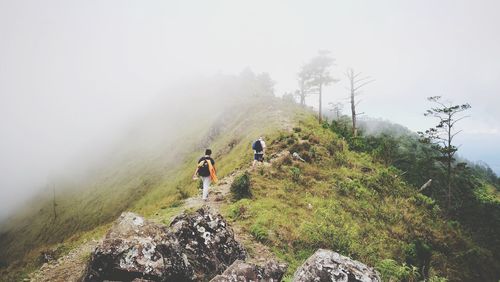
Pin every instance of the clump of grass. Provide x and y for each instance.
(291, 140)
(295, 172)
(390, 270)
(238, 210)
(240, 188)
(300, 148)
(259, 232)
(424, 201)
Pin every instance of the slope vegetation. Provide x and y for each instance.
(342, 200)
(147, 171)
(335, 199)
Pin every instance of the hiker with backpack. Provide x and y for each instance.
(259, 147)
(206, 170)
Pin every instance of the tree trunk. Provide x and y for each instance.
(450, 156)
(302, 98)
(353, 110)
(449, 185)
(320, 117)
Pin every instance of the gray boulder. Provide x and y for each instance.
(326, 266)
(241, 271)
(207, 241)
(196, 246)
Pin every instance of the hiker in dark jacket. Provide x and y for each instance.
(206, 170)
(259, 148)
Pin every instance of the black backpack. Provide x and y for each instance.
(257, 146)
(203, 168)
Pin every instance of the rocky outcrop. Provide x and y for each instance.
(208, 242)
(326, 265)
(196, 246)
(241, 271)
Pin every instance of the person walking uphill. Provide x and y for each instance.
(259, 147)
(206, 170)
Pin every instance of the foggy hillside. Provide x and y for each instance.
(74, 75)
(380, 118)
(95, 188)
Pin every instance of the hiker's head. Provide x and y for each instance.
(261, 138)
(208, 152)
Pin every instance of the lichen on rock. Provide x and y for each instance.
(239, 271)
(326, 266)
(196, 246)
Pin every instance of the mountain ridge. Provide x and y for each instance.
(331, 195)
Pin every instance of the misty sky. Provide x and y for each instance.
(74, 73)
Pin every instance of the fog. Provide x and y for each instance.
(74, 75)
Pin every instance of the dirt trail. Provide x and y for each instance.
(67, 268)
(71, 266)
(220, 194)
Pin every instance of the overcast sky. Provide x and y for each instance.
(72, 73)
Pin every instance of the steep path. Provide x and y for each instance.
(219, 195)
(67, 268)
(71, 266)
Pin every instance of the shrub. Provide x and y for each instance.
(290, 140)
(418, 253)
(241, 187)
(354, 188)
(358, 144)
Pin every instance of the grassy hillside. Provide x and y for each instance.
(345, 201)
(150, 185)
(338, 199)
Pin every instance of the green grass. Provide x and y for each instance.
(338, 199)
(153, 185)
(345, 201)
